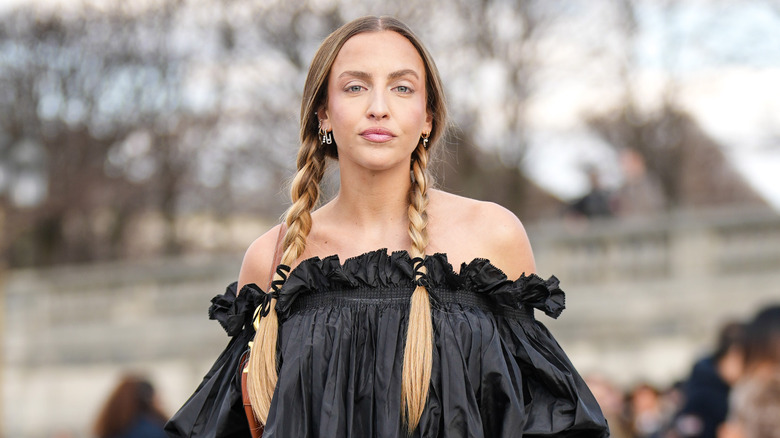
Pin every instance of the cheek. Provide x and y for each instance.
(339, 113)
(416, 111)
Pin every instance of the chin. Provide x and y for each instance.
(379, 160)
(378, 167)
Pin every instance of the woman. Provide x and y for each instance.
(374, 333)
(131, 412)
(755, 400)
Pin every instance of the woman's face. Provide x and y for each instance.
(376, 104)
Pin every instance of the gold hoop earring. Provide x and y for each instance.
(424, 137)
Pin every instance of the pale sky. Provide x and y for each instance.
(725, 59)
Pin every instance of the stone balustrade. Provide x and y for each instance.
(645, 297)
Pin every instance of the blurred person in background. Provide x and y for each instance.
(762, 344)
(613, 404)
(706, 392)
(597, 203)
(754, 410)
(646, 411)
(641, 192)
(131, 411)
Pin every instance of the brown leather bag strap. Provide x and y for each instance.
(255, 427)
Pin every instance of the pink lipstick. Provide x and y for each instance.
(377, 135)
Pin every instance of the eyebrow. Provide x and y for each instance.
(394, 75)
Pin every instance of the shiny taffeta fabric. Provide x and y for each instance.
(497, 371)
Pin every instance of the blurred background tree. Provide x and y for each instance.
(121, 120)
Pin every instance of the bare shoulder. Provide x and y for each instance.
(479, 229)
(504, 239)
(258, 258)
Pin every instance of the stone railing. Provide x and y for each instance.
(70, 332)
(662, 247)
(644, 298)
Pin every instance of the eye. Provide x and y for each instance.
(404, 89)
(353, 88)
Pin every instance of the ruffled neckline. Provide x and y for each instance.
(380, 269)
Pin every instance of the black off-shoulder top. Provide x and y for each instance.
(497, 371)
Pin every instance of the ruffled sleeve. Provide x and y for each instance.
(529, 291)
(235, 312)
(216, 407)
(545, 295)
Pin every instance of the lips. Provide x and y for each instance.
(377, 135)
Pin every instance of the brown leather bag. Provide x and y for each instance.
(255, 426)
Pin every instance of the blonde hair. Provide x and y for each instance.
(305, 193)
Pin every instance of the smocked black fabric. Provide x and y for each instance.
(497, 372)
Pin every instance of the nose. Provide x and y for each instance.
(377, 108)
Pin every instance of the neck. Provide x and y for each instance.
(374, 200)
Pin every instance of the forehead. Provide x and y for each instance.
(378, 52)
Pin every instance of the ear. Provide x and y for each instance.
(428, 127)
(322, 115)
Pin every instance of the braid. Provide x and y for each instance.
(305, 193)
(418, 351)
(418, 202)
